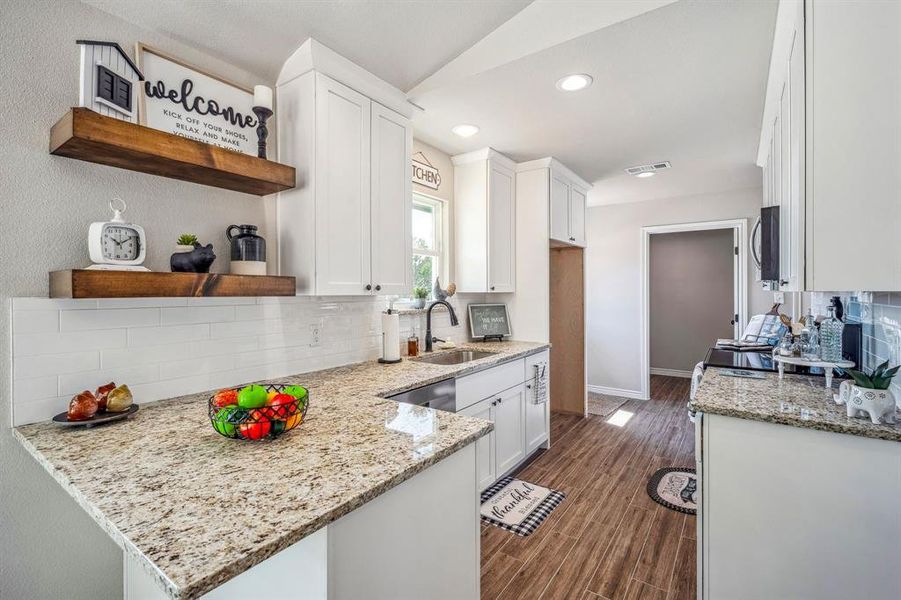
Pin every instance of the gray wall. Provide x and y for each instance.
(690, 295)
(50, 548)
(613, 275)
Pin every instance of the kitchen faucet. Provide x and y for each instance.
(428, 322)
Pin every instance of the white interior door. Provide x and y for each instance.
(501, 229)
(343, 262)
(391, 202)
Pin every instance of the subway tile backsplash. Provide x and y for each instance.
(166, 347)
(880, 316)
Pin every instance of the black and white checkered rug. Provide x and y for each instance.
(517, 505)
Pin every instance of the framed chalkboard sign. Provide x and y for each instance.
(489, 321)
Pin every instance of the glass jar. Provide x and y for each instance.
(246, 245)
(831, 337)
(412, 345)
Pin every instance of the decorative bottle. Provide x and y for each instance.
(831, 336)
(810, 338)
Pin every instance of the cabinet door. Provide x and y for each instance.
(509, 428)
(343, 261)
(537, 415)
(485, 464)
(391, 202)
(794, 142)
(501, 229)
(577, 202)
(559, 209)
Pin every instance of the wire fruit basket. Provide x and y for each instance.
(258, 412)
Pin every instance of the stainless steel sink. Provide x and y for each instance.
(454, 357)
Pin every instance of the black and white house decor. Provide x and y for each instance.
(109, 80)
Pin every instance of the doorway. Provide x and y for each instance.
(693, 292)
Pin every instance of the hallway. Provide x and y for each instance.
(608, 539)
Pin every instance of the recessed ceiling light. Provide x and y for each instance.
(575, 82)
(465, 130)
(646, 174)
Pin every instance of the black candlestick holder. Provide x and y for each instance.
(262, 114)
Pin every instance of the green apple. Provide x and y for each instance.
(297, 391)
(252, 396)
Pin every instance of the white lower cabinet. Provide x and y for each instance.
(538, 414)
(509, 428)
(790, 512)
(520, 425)
(485, 463)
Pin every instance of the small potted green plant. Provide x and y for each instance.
(871, 394)
(185, 242)
(419, 296)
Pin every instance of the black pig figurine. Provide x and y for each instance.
(197, 260)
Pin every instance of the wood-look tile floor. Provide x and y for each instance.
(607, 539)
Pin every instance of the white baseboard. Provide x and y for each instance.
(671, 372)
(610, 391)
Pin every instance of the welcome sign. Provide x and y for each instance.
(183, 100)
(424, 173)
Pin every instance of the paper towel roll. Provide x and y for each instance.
(390, 336)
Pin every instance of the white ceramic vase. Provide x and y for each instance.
(879, 405)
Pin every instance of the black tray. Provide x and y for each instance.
(101, 417)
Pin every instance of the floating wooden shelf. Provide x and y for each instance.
(89, 136)
(84, 283)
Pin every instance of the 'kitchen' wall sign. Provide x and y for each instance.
(183, 100)
(424, 173)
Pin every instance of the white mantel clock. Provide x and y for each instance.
(116, 245)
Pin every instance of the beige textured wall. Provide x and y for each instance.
(441, 161)
(613, 280)
(49, 547)
(690, 295)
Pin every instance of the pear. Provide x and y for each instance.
(120, 399)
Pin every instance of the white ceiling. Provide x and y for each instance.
(683, 83)
(400, 41)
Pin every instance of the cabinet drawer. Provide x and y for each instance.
(478, 386)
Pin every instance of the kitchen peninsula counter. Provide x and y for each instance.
(195, 509)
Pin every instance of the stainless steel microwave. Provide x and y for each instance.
(765, 245)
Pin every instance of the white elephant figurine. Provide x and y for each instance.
(878, 404)
(844, 392)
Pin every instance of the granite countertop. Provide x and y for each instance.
(197, 509)
(798, 400)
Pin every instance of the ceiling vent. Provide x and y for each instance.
(651, 168)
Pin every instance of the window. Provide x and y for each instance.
(113, 89)
(428, 241)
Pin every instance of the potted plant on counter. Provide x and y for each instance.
(870, 394)
(419, 296)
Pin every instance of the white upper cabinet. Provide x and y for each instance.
(559, 208)
(392, 196)
(485, 222)
(566, 195)
(829, 145)
(345, 228)
(343, 225)
(577, 207)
